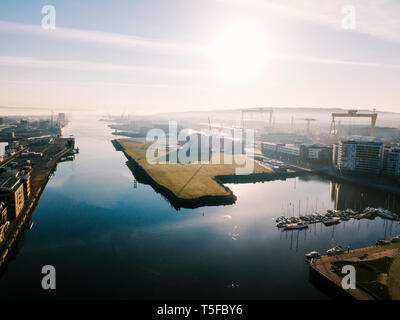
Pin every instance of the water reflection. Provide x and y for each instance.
(347, 196)
(108, 239)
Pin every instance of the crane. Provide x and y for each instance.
(354, 114)
(257, 110)
(309, 120)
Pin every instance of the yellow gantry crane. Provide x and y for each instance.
(257, 110)
(354, 114)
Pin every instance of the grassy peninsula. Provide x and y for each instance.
(186, 181)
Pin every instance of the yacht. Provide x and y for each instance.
(382, 242)
(296, 226)
(332, 221)
(335, 251)
(395, 239)
(312, 255)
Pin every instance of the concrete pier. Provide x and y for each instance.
(323, 275)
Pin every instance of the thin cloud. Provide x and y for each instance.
(27, 62)
(79, 65)
(335, 61)
(105, 84)
(377, 18)
(105, 38)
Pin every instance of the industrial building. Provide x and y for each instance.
(359, 155)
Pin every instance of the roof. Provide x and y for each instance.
(363, 139)
(9, 183)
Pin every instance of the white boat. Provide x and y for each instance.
(296, 226)
(335, 251)
(395, 239)
(383, 242)
(312, 255)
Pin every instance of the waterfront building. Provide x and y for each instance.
(391, 162)
(316, 153)
(26, 181)
(12, 194)
(3, 213)
(360, 155)
(335, 154)
(3, 221)
(268, 147)
(289, 149)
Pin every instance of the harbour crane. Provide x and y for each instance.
(309, 120)
(257, 110)
(354, 114)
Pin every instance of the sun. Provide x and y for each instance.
(240, 51)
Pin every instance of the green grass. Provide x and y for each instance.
(186, 181)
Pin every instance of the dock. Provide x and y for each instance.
(322, 275)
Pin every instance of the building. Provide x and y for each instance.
(24, 125)
(391, 162)
(12, 194)
(26, 181)
(289, 150)
(269, 147)
(335, 155)
(62, 119)
(3, 213)
(4, 223)
(316, 153)
(360, 155)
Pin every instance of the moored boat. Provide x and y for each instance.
(334, 251)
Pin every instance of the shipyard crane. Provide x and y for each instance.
(354, 114)
(257, 110)
(309, 120)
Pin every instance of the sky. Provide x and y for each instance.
(150, 56)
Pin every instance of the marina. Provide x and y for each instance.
(332, 217)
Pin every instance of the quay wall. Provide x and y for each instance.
(23, 218)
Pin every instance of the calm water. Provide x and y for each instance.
(108, 239)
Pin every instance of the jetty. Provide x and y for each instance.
(377, 272)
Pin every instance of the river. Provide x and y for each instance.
(110, 238)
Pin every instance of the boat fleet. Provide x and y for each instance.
(332, 217)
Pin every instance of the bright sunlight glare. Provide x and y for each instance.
(240, 52)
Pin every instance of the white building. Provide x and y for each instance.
(360, 154)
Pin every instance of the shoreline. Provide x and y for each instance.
(143, 177)
(17, 227)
